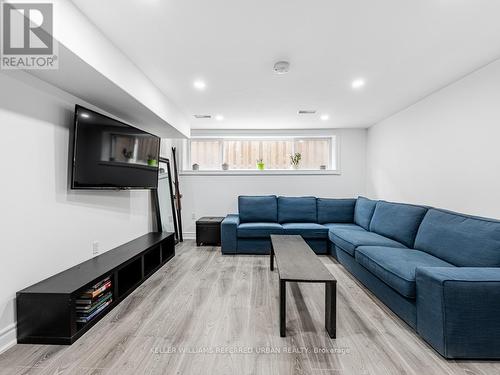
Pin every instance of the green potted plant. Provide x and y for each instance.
(260, 164)
(152, 162)
(295, 160)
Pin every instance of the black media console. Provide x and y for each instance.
(60, 309)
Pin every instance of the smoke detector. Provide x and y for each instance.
(306, 111)
(281, 67)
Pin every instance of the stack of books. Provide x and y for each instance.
(93, 301)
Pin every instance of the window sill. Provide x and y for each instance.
(264, 172)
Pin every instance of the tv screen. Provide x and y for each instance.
(108, 154)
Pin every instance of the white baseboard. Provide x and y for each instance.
(189, 235)
(8, 337)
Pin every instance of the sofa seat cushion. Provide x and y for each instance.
(258, 230)
(349, 239)
(306, 230)
(333, 226)
(396, 267)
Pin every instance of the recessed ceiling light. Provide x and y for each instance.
(219, 117)
(85, 115)
(358, 83)
(324, 117)
(199, 85)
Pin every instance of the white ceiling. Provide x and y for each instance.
(405, 50)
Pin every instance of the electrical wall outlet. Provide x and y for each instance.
(193, 216)
(95, 248)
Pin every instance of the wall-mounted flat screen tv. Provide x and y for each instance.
(109, 154)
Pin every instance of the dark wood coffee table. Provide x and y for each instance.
(297, 262)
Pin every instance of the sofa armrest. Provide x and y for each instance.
(458, 311)
(229, 234)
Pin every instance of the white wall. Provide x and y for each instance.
(217, 195)
(443, 151)
(45, 227)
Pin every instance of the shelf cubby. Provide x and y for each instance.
(93, 301)
(167, 249)
(129, 276)
(152, 260)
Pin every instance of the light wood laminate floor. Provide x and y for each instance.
(204, 313)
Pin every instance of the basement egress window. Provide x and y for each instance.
(263, 154)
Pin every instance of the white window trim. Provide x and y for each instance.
(259, 135)
(266, 172)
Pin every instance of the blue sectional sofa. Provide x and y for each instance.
(437, 270)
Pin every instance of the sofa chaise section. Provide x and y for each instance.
(458, 311)
(458, 308)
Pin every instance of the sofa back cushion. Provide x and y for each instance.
(258, 209)
(462, 240)
(335, 210)
(397, 221)
(363, 212)
(297, 210)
